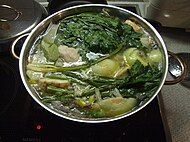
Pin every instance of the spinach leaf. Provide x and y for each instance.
(96, 32)
(139, 73)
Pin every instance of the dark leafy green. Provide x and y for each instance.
(139, 79)
(96, 32)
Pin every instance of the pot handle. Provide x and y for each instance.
(183, 70)
(14, 44)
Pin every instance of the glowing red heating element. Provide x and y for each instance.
(38, 127)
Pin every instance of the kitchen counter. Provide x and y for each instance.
(175, 99)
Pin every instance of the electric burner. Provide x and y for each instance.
(8, 86)
(23, 120)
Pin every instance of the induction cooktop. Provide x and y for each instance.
(23, 120)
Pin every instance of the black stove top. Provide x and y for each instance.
(23, 120)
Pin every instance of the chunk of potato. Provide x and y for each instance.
(114, 106)
(155, 56)
(133, 54)
(107, 68)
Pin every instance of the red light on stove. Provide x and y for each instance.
(38, 127)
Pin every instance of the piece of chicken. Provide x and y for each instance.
(69, 54)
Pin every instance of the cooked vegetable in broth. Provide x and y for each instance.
(93, 65)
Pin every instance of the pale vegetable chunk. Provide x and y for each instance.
(69, 54)
(122, 71)
(33, 75)
(146, 41)
(114, 106)
(80, 103)
(133, 54)
(155, 56)
(106, 68)
(136, 27)
(130, 56)
(51, 52)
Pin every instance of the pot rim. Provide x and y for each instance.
(21, 65)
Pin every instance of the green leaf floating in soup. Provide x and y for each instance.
(93, 65)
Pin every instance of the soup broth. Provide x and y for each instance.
(93, 65)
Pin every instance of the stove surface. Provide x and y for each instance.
(23, 120)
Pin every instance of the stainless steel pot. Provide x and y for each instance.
(116, 11)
